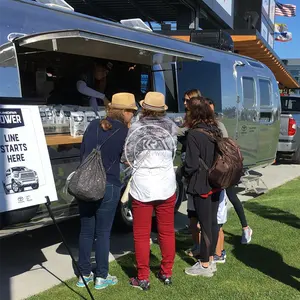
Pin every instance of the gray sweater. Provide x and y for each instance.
(223, 129)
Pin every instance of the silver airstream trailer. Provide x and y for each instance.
(40, 40)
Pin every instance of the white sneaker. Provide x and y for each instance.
(102, 283)
(246, 235)
(198, 270)
(87, 280)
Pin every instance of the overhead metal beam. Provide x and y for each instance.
(99, 11)
(141, 10)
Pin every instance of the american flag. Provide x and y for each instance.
(285, 10)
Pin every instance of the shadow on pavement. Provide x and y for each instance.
(64, 283)
(273, 213)
(14, 260)
(23, 252)
(264, 260)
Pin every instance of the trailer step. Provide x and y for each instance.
(253, 183)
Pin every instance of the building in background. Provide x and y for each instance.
(293, 65)
(250, 23)
(259, 15)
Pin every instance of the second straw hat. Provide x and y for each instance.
(154, 101)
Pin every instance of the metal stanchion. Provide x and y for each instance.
(48, 205)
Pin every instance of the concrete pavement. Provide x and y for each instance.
(35, 261)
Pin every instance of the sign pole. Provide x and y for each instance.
(48, 205)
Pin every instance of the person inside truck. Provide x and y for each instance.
(94, 88)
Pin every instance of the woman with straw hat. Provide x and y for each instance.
(149, 149)
(97, 217)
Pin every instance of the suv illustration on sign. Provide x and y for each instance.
(17, 178)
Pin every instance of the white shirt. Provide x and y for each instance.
(153, 171)
(222, 210)
(85, 90)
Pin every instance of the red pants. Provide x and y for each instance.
(142, 219)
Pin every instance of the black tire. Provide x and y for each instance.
(123, 218)
(296, 157)
(35, 186)
(14, 186)
(123, 221)
(19, 215)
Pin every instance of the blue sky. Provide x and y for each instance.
(289, 49)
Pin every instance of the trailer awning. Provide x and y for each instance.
(120, 44)
(254, 46)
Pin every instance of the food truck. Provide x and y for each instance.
(45, 50)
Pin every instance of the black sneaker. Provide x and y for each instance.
(166, 280)
(140, 284)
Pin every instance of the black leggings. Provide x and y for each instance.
(207, 209)
(235, 201)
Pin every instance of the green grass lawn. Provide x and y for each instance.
(267, 268)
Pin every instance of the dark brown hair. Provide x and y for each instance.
(199, 112)
(193, 93)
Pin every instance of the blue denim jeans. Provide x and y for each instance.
(96, 220)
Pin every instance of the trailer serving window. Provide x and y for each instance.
(164, 81)
(265, 92)
(203, 75)
(249, 93)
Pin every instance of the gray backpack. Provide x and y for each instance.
(89, 180)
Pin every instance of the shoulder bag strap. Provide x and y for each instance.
(100, 146)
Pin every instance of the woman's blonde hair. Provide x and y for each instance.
(193, 93)
(115, 114)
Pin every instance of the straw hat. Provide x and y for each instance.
(154, 101)
(123, 101)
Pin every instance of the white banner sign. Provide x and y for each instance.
(272, 10)
(264, 31)
(227, 5)
(25, 168)
(271, 40)
(265, 4)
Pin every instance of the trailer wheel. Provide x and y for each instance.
(19, 215)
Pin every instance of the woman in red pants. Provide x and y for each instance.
(149, 149)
